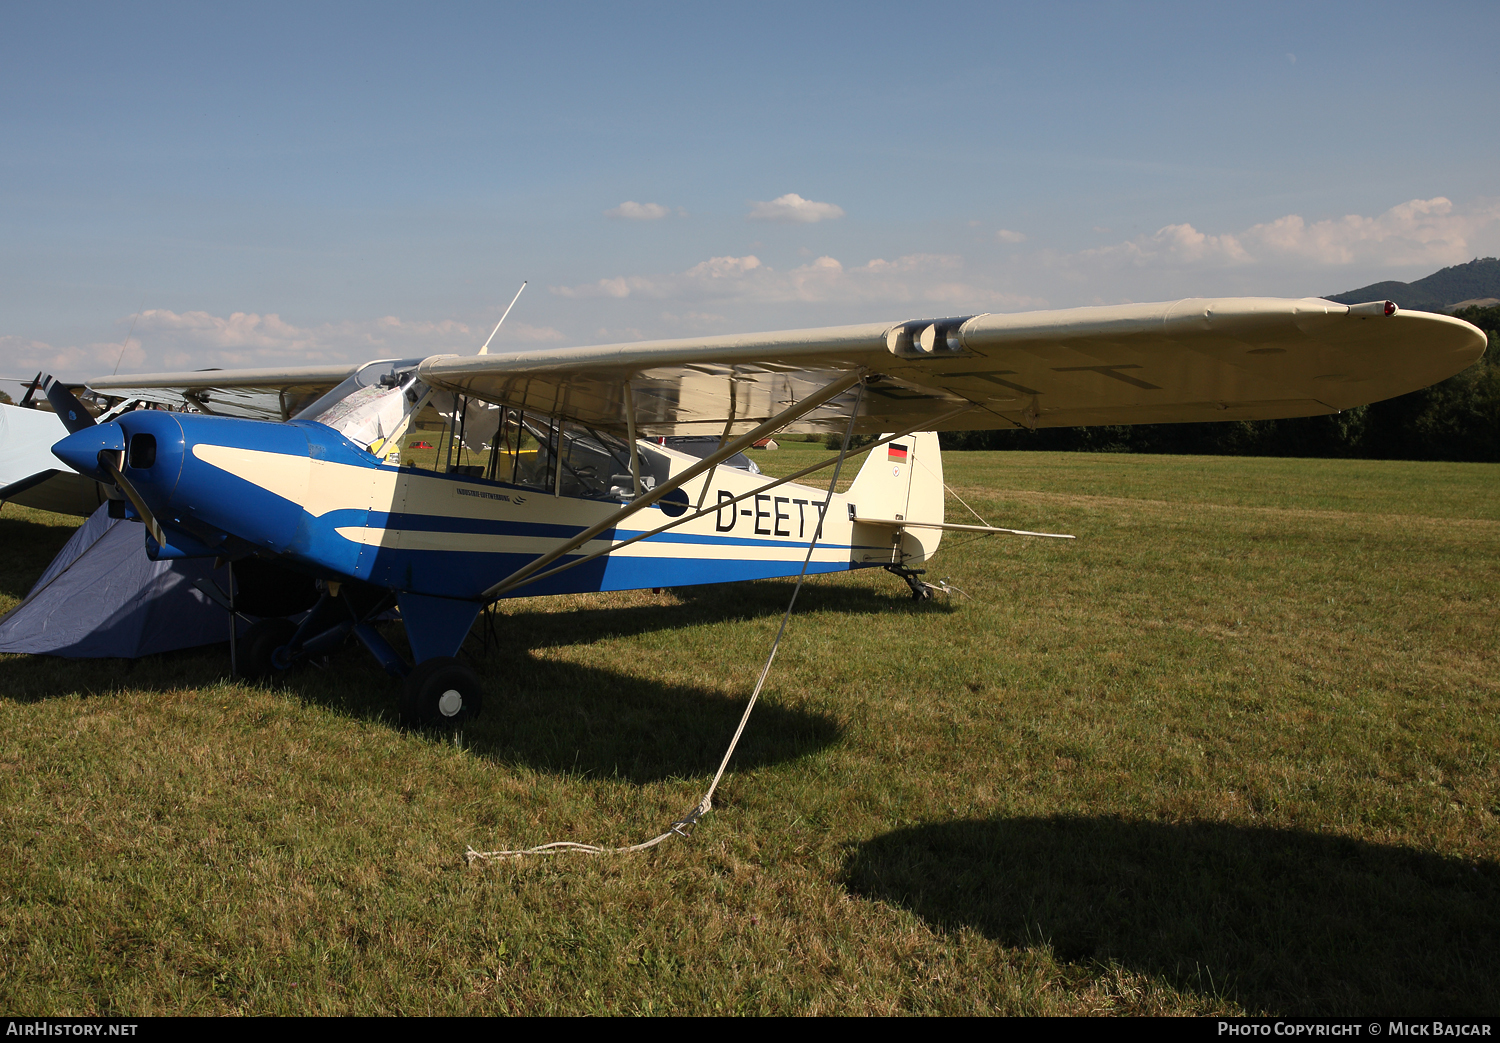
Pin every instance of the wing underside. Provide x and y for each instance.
(1194, 360)
(1190, 360)
(254, 394)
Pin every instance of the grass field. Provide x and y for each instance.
(1234, 749)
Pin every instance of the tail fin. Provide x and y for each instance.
(903, 481)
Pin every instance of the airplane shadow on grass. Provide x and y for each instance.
(29, 548)
(1279, 920)
(547, 714)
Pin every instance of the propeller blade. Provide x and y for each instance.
(123, 484)
(69, 410)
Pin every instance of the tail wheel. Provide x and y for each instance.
(441, 692)
(258, 658)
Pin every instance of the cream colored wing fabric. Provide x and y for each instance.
(1191, 360)
(256, 394)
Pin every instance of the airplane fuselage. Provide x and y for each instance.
(301, 492)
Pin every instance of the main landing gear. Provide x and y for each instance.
(260, 646)
(440, 691)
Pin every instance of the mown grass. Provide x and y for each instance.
(1232, 750)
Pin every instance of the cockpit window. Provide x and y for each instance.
(703, 446)
(458, 435)
(384, 408)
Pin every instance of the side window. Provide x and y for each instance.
(452, 434)
(595, 466)
(534, 460)
(655, 467)
(425, 439)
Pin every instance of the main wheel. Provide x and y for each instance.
(257, 651)
(441, 691)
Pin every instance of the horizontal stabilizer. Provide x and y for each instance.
(896, 523)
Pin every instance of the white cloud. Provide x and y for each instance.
(911, 278)
(22, 354)
(1173, 245)
(723, 267)
(633, 211)
(693, 319)
(1005, 235)
(168, 340)
(1418, 232)
(793, 209)
(248, 339)
(525, 333)
(912, 263)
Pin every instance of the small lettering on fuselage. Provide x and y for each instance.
(483, 494)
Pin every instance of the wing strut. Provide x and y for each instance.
(728, 427)
(635, 456)
(757, 491)
(790, 414)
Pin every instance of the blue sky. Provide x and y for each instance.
(289, 184)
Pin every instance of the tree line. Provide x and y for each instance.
(1458, 419)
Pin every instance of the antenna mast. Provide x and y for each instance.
(125, 345)
(486, 349)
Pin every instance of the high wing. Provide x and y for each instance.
(254, 394)
(1191, 360)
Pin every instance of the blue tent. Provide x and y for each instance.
(102, 597)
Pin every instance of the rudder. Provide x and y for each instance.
(903, 481)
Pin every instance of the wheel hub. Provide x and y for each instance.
(450, 702)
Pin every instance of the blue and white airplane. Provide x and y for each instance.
(438, 485)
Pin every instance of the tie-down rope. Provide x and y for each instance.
(684, 826)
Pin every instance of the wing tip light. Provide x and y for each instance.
(1373, 309)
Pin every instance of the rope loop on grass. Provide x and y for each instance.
(684, 826)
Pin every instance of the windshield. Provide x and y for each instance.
(373, 407)
(383, 372)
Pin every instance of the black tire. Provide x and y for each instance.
(441, 692)
(257, 649)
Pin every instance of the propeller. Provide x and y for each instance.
(76, 418)
(107, 461)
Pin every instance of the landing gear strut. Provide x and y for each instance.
(438, 692)
(274, 644)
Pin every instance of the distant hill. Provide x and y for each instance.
(1477, 282)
